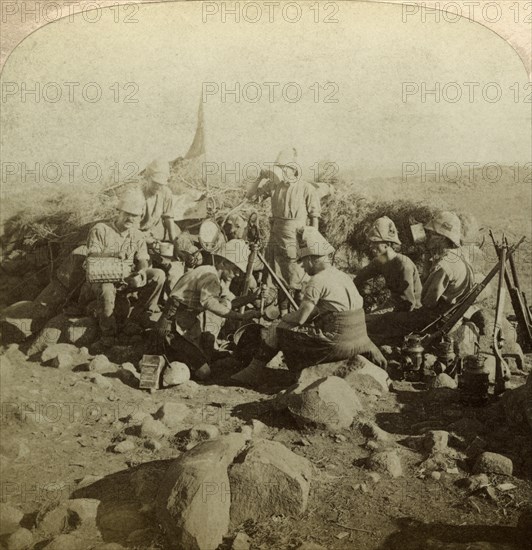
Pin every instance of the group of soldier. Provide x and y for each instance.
(321, 315)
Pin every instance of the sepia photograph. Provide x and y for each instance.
(265, 275)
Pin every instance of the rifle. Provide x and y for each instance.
(447, 320)
(519, 302)
(254, 243)
(499, 313)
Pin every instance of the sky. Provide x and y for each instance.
(352, 76)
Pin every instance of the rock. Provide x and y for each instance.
(241, 542)
(203, 432)
(53, 350)
(100, 364)
(10, 517)
(268, 479)
(329, 403)
(387, 462)
(152, 428)
(517, 405)
(85, 510)
(370, 429)
(110, 546)
(362, 383)
(257, 426)
(63, 361)
(101, 381)
(117, 520)
(493, 463)
(309, 375)
(125, 446)
(172, 414)
(194, 496)
(466, 339)
(436, 441)
(137, 418)
(378, 374)
(175, 374)
(67, 542)
(443, 380)
(55, 521)
(374, 476)
(21, 539)
(23, 319)
(475, 482)
(436, 476)
(50, 334)
(153, 445)
(82, 332)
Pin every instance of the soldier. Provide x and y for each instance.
(158, 219)
(399, 271)
(329, 324)
(293, 203)
(202, 290)
(121, 238)
(449, 279)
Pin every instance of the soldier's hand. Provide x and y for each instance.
(250, 314)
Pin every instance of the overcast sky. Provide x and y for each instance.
(170, 54)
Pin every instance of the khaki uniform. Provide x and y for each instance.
(449, 280)
(337, 332)
(402, 279)
(292, 204)
(104, 239)
(158, 206)
(192, 340)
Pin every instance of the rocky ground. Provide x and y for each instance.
(340, 461)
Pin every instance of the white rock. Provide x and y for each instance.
(10, 518)
(21, 539)
(176, 374)
(172, 414)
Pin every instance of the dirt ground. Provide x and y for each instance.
(59, 428)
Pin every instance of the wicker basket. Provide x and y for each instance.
(107, 270)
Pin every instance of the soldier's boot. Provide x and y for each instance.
(252, 375)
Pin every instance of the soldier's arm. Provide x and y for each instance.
(299, 317)
(434, 287)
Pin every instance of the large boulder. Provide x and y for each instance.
(517, 405)
(194, 500)
(327, 403)
(268, 479)
(81, 332)
(10, 518)
(49, 334)
(22, 320)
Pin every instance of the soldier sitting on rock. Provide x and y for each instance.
(202, 290)
(120, 238)
(399, 271)
(449, 279)
(328, 326)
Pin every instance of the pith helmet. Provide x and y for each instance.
(287, 157)
(448, 225)
(159, 171)
(383, 230)
(236, 251)
(313, 243)
(132, 202)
